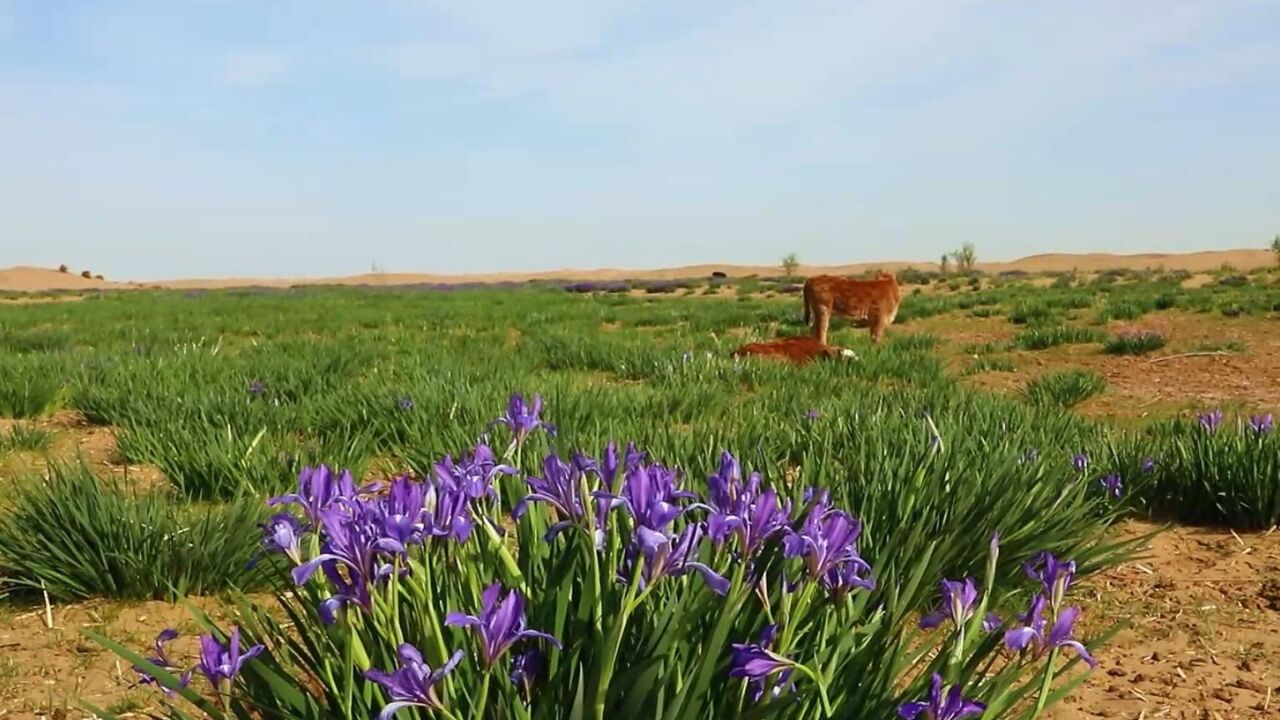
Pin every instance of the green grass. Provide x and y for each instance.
(25, 436)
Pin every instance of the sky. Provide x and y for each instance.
(150, 139)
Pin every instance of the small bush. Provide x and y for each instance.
(1233, 281)
(86, 275)
(1042, 338)
(1031, 313)
(1219, 346)
(1166, 301)
(63, 269)
(1134, 343)
(1066, 388)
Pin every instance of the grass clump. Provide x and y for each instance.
(25, 436)
(1134, 343)
(1044, 337)
(80, 536)
(1066, 388)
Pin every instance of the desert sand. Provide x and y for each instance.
(25, 278)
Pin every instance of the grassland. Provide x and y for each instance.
(143, 430)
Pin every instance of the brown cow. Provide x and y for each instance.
(869, 303)
(796, 350)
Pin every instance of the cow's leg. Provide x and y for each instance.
(877, 329)
(821, 323)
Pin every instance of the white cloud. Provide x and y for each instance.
(257, 67)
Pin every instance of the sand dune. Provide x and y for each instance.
(33, 279)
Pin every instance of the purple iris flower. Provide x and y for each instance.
(317, 490)
(1080, 461)
(1148, 465)
(413, 683)
(475, 474)
(742, 510)
(522, 418)
(650, 492)
(1210, 420)
(813, 415)
(1053, 574)
(222, 663)
(958, 600)
(355, 539)
(500, 625)
(161, 660)
(666, 555)
(828, 543)
(1261, 424)
(561, 487)
(257, 387)
(948, 705)
(525, 668)
(755, 662)
(282, 534)
(1112, 484)
(1036, 636)
(448, 512)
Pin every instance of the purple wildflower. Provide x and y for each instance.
(522, 418)
(650, 492)
(958, 600)
(1210, 420)
(222, 663)
(474, 474)
(161, 660)
(1148, 465)
(1036, 636)
(500, 624)
(949, 705)
(257, 388)
(356, 535)
(317, 490)
(561, 486)
(1261, 424)
(525, 668)
(666, 555)
(282, 534)
(1080, 461)
(1054, 575)
(405, 403)
(413, 683)
(1112, 484)
(755, 662)
(742, 509)
(813, 415)
(828, 543)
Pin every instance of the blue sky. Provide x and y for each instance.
(165, 138)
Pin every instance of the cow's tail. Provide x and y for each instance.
(806, 303)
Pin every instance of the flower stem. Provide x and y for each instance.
(1045, 684)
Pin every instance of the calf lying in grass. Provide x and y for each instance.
(797, 350)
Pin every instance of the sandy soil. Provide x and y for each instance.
(32, 279)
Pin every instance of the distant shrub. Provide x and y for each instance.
(1233, 281)
(1063, 281)
(63, 269)
(1122, 310)
(86, 275)
(1066, 388)
(1138, 342)
(1220, 346)
(1165, 301)
(25, 436)
(1232, 310)
(98, 277)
